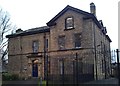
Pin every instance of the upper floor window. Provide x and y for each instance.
(35, 46)
(77, 40)
(69, 23)
(61, 42)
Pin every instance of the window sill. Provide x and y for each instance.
(62, 49)
(78, 47)
(34, 53)
(69, 29)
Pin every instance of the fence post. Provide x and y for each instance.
(47, 71)
(73, 72)
(63, 72)
(118, 67)
(77, 69)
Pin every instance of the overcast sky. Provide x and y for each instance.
(28, 14)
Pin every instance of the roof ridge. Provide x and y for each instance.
(78, 9)
(64, 10)
(36, 28)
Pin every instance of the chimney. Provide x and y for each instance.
(93, 8)
(19, 30)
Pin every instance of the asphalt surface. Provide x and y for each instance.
(104, 82)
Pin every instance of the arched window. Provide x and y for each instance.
(69, 23)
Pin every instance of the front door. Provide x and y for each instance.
(34, 69)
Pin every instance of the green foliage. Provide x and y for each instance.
(43, 83)
(8, 77)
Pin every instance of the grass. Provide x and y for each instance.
(43, 83)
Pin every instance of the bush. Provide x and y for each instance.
(43, 83)
(8, 77)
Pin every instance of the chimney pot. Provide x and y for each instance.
(93, 8)
(19, 30)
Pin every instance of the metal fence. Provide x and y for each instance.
(115, 65)
(77, 68)
(118, 66)
(70, 72)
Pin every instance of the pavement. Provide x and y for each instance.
(104, 82)
(110, 81)
(21, 83)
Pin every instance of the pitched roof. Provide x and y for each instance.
(52, 22)
(108, 38)
(30, 31)
(89, 15)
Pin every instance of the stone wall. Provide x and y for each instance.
(21, 47)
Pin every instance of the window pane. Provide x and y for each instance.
(77, 40)
(35, 46)
(61, 65)
(61, 42)
(69, 23)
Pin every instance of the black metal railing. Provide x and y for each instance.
(78, 68)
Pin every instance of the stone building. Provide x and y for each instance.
(72, 35)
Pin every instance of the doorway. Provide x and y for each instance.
(34, 68)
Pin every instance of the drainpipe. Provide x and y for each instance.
(93, 11)
(20, 57)
(105, 61)
(94, 35)
(45, 58)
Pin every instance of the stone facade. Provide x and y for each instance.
(94, 48)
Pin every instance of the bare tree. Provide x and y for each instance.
(6, 28)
